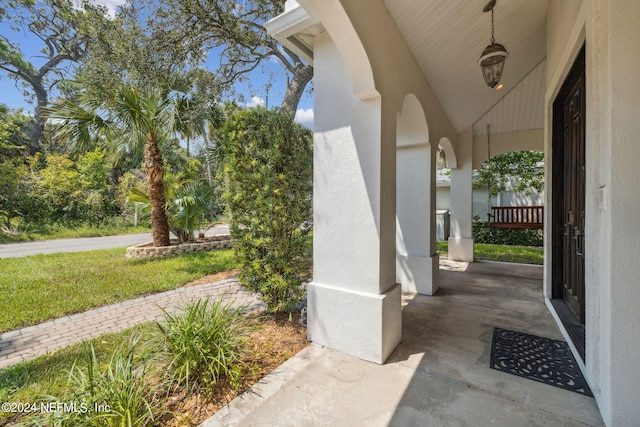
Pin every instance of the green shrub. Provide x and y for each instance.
(269, 162)
(482, 233)
(203, 344)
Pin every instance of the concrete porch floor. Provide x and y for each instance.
(438, 376)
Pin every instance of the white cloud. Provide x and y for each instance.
(304, 116)
(256, 101)
(112, 5)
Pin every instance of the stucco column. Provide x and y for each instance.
(353, 301)
(461, 238)
(416, 258)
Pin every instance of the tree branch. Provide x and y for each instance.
(53, 62)
(20, 72)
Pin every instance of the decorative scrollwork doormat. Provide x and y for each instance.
(540, 359)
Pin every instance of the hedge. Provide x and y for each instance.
(482, 233)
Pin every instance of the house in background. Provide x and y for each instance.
(481, 202)
(395, 79)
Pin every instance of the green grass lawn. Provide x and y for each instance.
(42, 287)
(504, 253)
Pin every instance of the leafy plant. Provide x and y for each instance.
(269, 162)
(187, 207)
(203, 343)
(482, 233)
(56, 186)
(187, 203)
(14, 129)
(518, 171)
(115, 394)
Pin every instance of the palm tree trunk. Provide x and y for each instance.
(155, 170)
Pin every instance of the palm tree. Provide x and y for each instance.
(139, 121)
(187, 202)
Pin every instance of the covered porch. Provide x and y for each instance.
(438, 375)
(394, 82)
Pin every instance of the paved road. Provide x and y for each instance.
(13, 250)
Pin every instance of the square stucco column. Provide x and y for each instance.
(353, 302)
(461, 239)
(416, 258)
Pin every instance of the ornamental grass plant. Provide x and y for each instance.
(116, 393)
(203, 343)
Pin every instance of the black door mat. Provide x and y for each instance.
(540, 359)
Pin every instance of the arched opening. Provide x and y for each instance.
(445, 161)
(447, 154)
(508, 201)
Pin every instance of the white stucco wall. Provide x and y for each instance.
(612, 206)
(443, 196)
(563, 18)
(396, 74)
(413, 230)
(615, 197)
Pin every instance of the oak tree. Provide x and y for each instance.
(59, 27)
(236, 28)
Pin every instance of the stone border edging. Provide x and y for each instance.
(147, 250)
(233, 413)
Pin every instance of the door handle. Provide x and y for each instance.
(568, 224)
(578, 235)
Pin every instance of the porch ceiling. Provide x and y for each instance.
(447, 37)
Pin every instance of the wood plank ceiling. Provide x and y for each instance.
(447, 37)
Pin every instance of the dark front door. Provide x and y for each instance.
(574, 177)
(568, 217)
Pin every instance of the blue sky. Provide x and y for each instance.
(253, 91)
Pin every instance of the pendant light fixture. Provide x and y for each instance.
(493, 57)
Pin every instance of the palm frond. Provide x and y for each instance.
(79, 124)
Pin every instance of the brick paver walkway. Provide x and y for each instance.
(33, 341)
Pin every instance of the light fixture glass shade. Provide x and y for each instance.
(492, 63)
